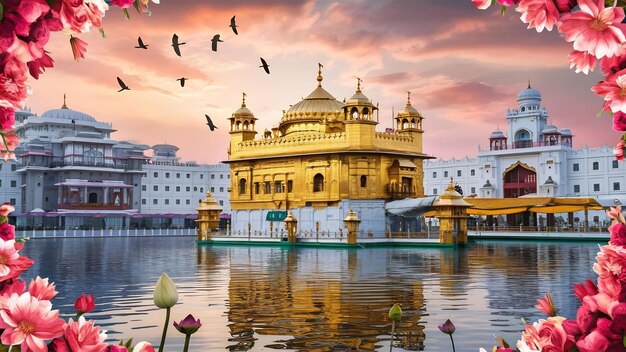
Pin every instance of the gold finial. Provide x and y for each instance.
(450, 185)
(408, 98)
(358, 84)
(319, 74)
(64, 105)
(529, 83)
(243, 102)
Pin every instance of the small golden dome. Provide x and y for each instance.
(409, 110)
(359, 98)
(243, 111)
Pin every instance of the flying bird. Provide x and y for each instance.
(140, 44)
(122, 85)
(209, 123)
(233, 25)
(176, 45)
(216, 38)
(265, 66)
(182, 81)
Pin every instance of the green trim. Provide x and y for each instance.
(537, 239)
(327, 245)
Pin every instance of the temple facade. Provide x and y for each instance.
(324, 158)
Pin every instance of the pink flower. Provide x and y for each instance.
(29, 322)
(545, 335)
(84, 303)
(41, 289)
(546, 305)
(83, 336)
(143, 346)
(565, 5)
(481, 4)
(588, 288)
(539, 14)
(616, 214)
(13, 80)
(618, 234)
(594, 29)
(613, 89)
(74, 15)
(59, 345)
(79, 47)
(572, 329)
(582, 61)
(116, 348)
(619, 150)
(11, 263)
(7, 231)
(12, 286)
(38, 66)
(593, 342)
(31, 10)
(585, 318)
(507, 2)
(8, 152)
(7, 115)
(6, 208)
(619, 121)
(123, 3)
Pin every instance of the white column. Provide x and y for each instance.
(85, 195)
(106, 195)
(60, 198)
(124, 196)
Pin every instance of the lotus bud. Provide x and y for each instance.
(395, 313)
(165, 294)
(447, 327)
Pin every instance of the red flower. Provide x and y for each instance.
(13, 86)
(41, 289)
(11, 263)
(79, 47)
(539, 14)
(84, 336)
(59, 345)
(7, 231)
(546, 305)
(583, 61)
(123, 3)
(31, 10)
(85, 303)
(619, 150)
(588, 288)
(619, 121)
(12, 140)
(75, 16)
(7, 115)
(618, 234)
(39, 65)
(611, 89)
(12, 286)
(593, 342)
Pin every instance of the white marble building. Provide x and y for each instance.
(533, 157)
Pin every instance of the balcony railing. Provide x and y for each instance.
(399, 191)
(93, 206)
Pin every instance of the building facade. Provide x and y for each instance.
(324, 158)
(532, 158)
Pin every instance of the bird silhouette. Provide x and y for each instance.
(182, 81)
(233, 25)
(209, 123)
(216, 38)
(122, 85)
(265, 66)
(176, 45)
(140, 44)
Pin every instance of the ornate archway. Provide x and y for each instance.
(519, 179)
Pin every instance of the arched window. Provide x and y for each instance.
(354, 113)
(413, 123)
(364, 181)
(237, 126)
(366, 113)
(318, 183)
(405, 123)
(242, 186)
(245, 125)
(93, 157)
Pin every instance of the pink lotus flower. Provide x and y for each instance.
(84, 303)
(79, 47)
(539, 14)
(7, 115)
(11, 263)
(13, 80)
(582, 61)
(59, 345)
(619, 150)
(6, 208)
(143, 346)
(482, 4)
(31, 10)
(123, 3)
(613, 89)
(546, 305)
(29, 322)
(83, 336)
(588, 288)
(8, 152)
(619, 121)
(594, 29)
(41, 289)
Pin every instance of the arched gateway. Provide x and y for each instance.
(520, 180)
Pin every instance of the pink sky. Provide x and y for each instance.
(463, 66)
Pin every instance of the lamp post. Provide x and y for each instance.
(291, 223)
(352, 222)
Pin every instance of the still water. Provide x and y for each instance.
(313, 299)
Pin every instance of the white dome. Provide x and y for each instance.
(68, 114)
(550, 129)
(497, 134)
(566, 132)
(528, 94)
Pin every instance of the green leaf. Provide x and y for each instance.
(502, 10)
(137, 4)
(624, 137)
(3, 219)
(129, 343)
(127, 14)
(51, 3)
(5, 348)
(1, 11)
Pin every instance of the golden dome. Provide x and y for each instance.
(409, 110)
(359, 98)
(315, 107)
(243, 112)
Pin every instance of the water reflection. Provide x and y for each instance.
(265, 298)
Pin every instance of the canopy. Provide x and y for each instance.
(410, 207)
(276, 215)
(503, 206)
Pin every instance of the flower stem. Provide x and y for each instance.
(451, 339)
(167, 322)
(187, 338)
(393, 329)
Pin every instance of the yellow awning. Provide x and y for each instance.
(502, 206)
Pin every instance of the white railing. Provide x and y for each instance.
(105, 233)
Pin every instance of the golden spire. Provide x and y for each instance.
(243, 102)
(64, 105)
(408, 98)
(529, 83)
(450, 185)
(319, 74)
(358, 84)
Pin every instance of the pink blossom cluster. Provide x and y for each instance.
(600, 322)
(25, 27)
(26, 315)
(597, 35)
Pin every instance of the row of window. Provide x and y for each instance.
(13, 183)
(187, 189)
(167, 175)
(472, 191)
(595, 165)
(596, 187)
(458, 173)
(279, 187)
(155, 201)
